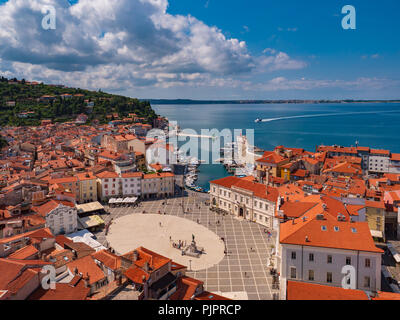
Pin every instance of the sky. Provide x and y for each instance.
(206, 49)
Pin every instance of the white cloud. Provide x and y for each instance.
(123, 44)
(279, 61)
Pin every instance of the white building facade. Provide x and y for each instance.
(323, 250)
(131, 184)
(244, 199)
(61, 216)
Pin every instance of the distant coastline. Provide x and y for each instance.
(294, 101)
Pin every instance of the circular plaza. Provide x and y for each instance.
(160, 233)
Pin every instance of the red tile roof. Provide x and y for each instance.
(107, 174)
(24, 253)
(87, 266)
(259, 190)
(39, 235)
(309, 232)
(50, 205)
(297, 290)
(63, 291)
(109, 259)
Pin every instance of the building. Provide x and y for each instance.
(122, 162)
(41, 239)
(118, 143)
(375, 212)
(61, 216)
(315, 247)
(245, 199)
(69, 183)
(394, 163)
(270, 164)
(18, 279)
(108, 185)
(87, 183)
(131, 184)
(378, 161)
(158, 185)
(150, 273)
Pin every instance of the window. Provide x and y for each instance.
(367, 263)
(323, 228)
(367, 282)
(311, 275)
(293, 255)
(311, 257)
(348, 260)
(329, 259)
(336, 229)
(293, 272)
(266, 207)
(329, 277)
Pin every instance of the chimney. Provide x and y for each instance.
(307, 240)
(76, 271)
(293, 221)
(135, 255)
(87, 281)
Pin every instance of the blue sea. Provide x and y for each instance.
(375, 125)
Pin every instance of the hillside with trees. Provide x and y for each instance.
(24, 103)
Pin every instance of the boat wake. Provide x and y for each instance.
(324, 115)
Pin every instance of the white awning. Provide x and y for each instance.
(394, 252)
(376, 234)
(89, 207)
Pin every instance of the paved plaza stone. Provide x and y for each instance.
(241, 271)
(153, 231)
